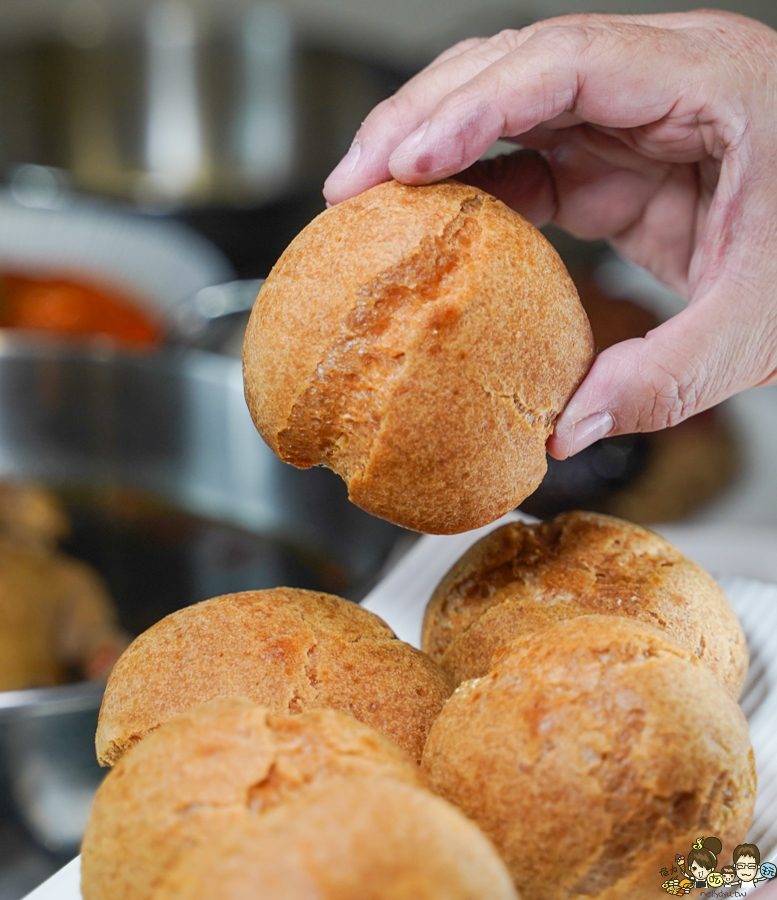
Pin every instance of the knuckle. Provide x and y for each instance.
(471, 113)
(394, 110)
(676, 396)
(570, 38)
(464, 46)
(507, 39)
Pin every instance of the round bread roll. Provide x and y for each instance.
(285, 648)
(210, 767)
(590, 754)
(420, 342)
(56, 617)
(362, 838)
(522, 578)
(31, 513)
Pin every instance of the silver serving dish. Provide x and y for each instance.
(174, 427)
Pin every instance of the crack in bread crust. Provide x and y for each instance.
(336, 419)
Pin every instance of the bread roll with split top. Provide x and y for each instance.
(421, 342)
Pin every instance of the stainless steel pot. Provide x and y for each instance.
(174, 427)
(177, 102)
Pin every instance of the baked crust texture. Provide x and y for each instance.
(420, 342)
(523, 578)
(290, 650)
(209, 768)
(364, 838)
(590, 754)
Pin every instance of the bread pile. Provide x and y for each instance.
(600, 737)
(420, 342)
(602, 732)
(241, 769)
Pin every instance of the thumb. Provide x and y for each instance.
(680, 368)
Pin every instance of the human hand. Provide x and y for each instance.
(658, 133)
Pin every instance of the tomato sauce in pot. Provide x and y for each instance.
(75, 308)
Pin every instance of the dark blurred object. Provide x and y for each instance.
(253, 239)
(662, 476)
(613, 319)
(686, 467)
(585, 480)
(170, 103)
(157, 558)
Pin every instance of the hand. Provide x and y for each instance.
(658, 133)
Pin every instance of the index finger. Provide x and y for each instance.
(622, 77)
(459, 69)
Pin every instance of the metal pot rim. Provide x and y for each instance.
(85, 695)
(60, 699)
(23, 344)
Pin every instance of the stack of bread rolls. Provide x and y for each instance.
(267, 744)
(599, 734)
(595, 727)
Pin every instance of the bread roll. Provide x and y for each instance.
(364, 838)
(522, 578)
(56, 617)
(208, 768)
(285, 648)
(31, 513)
(590, 754)
(420, 342)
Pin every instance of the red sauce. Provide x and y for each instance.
(76, 308)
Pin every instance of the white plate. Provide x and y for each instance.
(401, 597)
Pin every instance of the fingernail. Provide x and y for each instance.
(345, 168)
(590, 430)
(412, 142)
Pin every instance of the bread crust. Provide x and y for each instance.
(208, 768)
(365, 838)
(286, 648)
(590, 754)
(419, 341)
(522, 578)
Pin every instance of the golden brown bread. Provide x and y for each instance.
(590, 753)
(31, 513)
(208, 768)
(56, 617)
(364, 838)
(522, 578)
(420, 342)
(285, 648)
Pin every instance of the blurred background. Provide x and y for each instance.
(156, 157)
